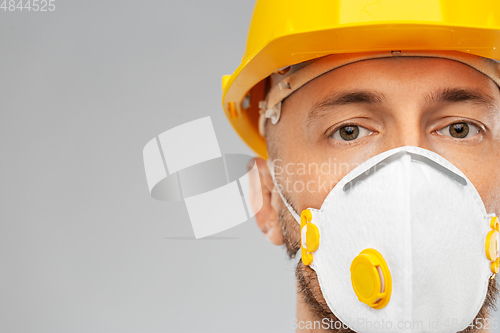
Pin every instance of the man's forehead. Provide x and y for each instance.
(338, 93)
(440, 96)
(364, 81)
(441, 66)
(399, 68)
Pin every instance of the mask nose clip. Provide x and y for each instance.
(309, 237)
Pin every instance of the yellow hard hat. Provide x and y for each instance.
(287, 32)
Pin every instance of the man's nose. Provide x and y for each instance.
(409, 131)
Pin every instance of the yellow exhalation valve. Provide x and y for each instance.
(371, 279)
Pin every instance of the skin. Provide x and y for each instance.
(404, 101)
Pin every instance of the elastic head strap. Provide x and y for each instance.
(278, 188)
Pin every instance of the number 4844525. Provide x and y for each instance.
(28, 5)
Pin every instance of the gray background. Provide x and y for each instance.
(83, 247)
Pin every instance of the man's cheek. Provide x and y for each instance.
(488, 186)
(311, 190)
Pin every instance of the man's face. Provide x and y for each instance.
(355, 112)
(343, 118)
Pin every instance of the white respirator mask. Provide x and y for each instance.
(403, 243)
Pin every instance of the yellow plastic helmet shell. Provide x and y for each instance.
(287, 32)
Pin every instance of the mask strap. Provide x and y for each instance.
(278, 188)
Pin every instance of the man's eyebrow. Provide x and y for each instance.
(457, 95)
(322, 107)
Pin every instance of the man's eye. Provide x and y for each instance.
(459, 130)
(350, 132)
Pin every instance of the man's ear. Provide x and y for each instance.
(267, 216)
